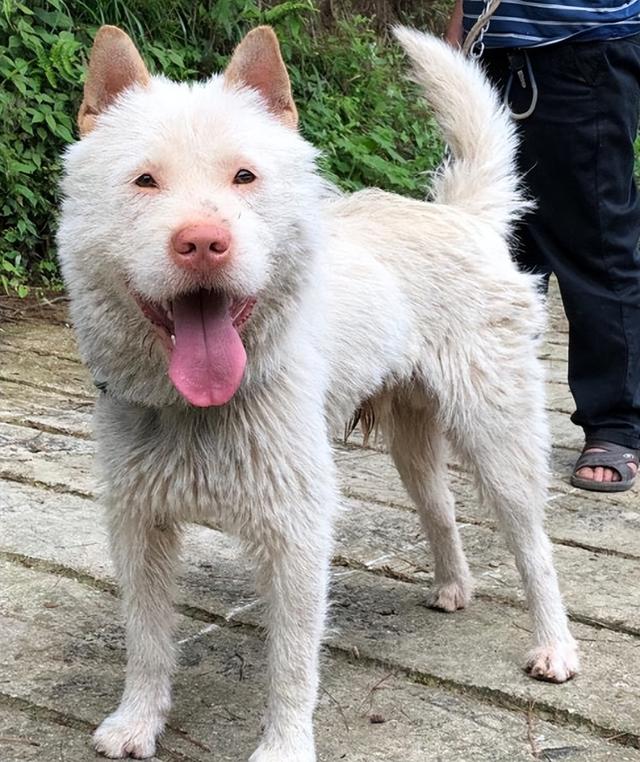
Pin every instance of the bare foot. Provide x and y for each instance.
(601, 474)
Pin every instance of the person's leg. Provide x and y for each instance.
(616, 418)
(577, 158)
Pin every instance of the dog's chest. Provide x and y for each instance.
(230, 468)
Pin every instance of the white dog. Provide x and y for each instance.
(234, 308)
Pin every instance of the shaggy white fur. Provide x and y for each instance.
(414, 309)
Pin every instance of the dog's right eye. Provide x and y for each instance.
(243, 177)
(146, 181)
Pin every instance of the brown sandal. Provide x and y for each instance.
(614, 456)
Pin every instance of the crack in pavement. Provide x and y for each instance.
(491, 696)
(37, 712)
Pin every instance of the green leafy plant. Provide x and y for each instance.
(355, 103)
(38, 69)
(358, 107)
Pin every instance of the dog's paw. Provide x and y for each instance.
(292, 752)
(263, 754)
(554, 664)
(450, 597)
(121, 736)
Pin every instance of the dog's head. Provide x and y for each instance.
(194, 206)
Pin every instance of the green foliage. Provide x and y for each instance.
(357, 106)
(354, 101)
(39, 68)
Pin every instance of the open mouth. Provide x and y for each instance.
(201, 333)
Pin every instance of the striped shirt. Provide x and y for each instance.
(531, 23)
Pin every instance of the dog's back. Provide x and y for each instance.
(411, 279)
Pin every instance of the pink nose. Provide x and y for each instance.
(201, 247)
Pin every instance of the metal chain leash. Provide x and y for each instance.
(473, 45)
(519, 62)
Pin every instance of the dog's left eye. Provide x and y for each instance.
(243, 176)
(146, 181)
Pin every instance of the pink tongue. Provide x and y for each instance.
(208, 359)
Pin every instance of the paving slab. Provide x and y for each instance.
(28, 734)
(609, 522)
(51, 373)
(45, 410)
(70, 637)
(447, 687)
(368, 537)
(384, 620)
(54, 460)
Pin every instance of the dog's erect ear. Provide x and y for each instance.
(115, 65)
(257, 63)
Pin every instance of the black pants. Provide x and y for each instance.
(577, 160)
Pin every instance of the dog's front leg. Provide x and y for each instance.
(294, 573)
(145, 557)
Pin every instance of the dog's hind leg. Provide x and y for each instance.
(500, 427)
(419, 452)
(145, 558)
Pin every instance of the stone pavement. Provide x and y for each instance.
(400, 683)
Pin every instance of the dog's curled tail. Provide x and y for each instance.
(482, 177)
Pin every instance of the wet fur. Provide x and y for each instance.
(368, 302)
